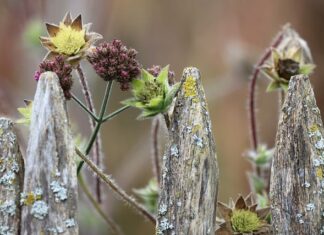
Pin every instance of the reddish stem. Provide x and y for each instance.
(255, 74)
(97, 147)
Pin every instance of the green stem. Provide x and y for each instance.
(97, 128)
(115, 113)
(112, 225)
(85, 108)
(114, 186)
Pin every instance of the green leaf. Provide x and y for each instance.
(149, 195)
(284, 86)
(137, 86)
(257, 183)
(171, 94)
(307, 69)
(26, 113)
(163, 77)
(156, 103)
(134, 103)
(274, 85)
(147, 114)
(146, 76)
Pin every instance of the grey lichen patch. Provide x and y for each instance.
(310, 207)
(39, 209)
(69, 223)
(5, 230)
(198, 141)
(174, 150)
(8, 178)
(8, 207)
(163, 209)
(59, 191)
(164, 226)
(56, 230)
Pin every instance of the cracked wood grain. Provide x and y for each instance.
(11, 178)
(189, 180)
(50, 195)
(296, 189)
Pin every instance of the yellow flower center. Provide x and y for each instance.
(244, 221)
(68, 41)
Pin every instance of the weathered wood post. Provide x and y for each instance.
(11, 179)
(188, 195)
(49, 198)
(297, 183)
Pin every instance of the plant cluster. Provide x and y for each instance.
(153, 90)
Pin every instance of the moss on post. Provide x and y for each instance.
(11, 178)
(297, 184)
(189, 180)
(49, 199)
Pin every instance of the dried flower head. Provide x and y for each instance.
(114, 61)
(156, 69)
(242, 217)
(70, 38)
(153, 95)
(291, 57)
(62, 70)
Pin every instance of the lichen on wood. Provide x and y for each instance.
(189, 180)
(49, 197)
(11, 178)
(297, 183)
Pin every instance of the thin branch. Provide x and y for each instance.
(97, 128)
(97, 149)
(112, 225)
(84, 107)
(115, 113)
(155, 148)
(255, 74)
(120, 192)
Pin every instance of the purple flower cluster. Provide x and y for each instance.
(62, 70)
(156, 69)
(114, 61)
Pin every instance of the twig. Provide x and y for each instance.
(113, 114)
(84, 107)
(120, 192)
(98, 125)
(97, 149)
(255, 74)
(112, 225)
(155, 148)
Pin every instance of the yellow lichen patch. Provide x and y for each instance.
(313, 128)
(319, 173)
(190, 87)
(68, 41)
(196, 128)
(1, 131)
(30, 199)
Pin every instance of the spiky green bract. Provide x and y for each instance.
(149, 195)
(153, 95)
(25, 113)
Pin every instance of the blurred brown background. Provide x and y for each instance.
(222, 38)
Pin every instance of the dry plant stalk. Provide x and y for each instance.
(296, 188)
(50, 194)
(189, 180)
(11, 178)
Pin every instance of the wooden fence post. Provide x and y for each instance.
(49, 198)
(188, 195)
(297, 184)
(11, 179)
